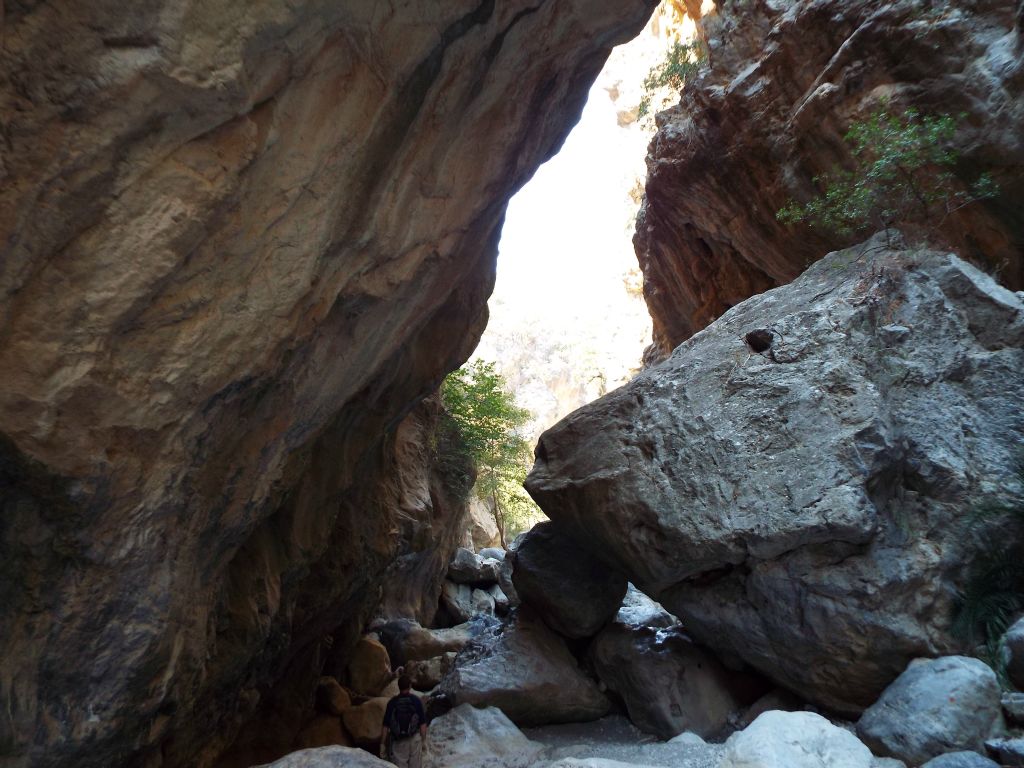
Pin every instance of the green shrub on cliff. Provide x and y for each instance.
(682, 62)
(902, 174)
(488, 420)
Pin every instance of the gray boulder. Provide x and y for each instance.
(1013, 706)
(794, 740)
(467, 737)
(525, 670)
(1013, 653)
(790, 482)
(469, 568)
(960, 760)
(492, 553)
(1009, 752)
(457, 600)
(329, 757)
(936, 706)
(575, 593)
(669, 685)
(407, 641)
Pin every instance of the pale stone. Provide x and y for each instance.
(329, 757)
(467, 737)
(794, 740)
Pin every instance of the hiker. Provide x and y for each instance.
(404, 736)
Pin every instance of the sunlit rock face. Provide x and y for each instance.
(795, 482)
(785, 81)
(239, 241)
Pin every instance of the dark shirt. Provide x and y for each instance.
(420, 713)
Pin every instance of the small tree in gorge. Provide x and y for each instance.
(902, 174)
(488, 420)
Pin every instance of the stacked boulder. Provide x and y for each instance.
(472, 586)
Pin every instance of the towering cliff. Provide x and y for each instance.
(239, 242)
(783, 83)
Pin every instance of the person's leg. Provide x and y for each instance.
(407, 752)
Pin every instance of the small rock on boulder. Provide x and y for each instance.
(935, 706)
(794, 740)
(525, 670)
(638, 610)
(960, 760)
(575, 593)
(1013, 706)
(669, 684)
(494, 553)
(467, 736)
(1009, 752)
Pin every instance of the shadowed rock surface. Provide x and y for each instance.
(786, 80)
(240, 242)
(799, 507)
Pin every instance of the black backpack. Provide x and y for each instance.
(405, 717)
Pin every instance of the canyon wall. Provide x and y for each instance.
(782, 84)
(239, 242)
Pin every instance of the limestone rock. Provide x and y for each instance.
(794, 740)
(707, 236)
(638, 610)
(482, 602)
(803, 497)
(960, 760)
(575, 593)
(365, 721)
(1012, 650)
(669, 684)
(1009, 752)
(1013, 706)
(936, 706)
(329, 757)
(483, 531)
(457, 599)
(500, 599)
(469, 568)
(239, 242)
(370, 668)
(526, 671)
(408, 641)
(470, 737)
(426, 674)
(494, 553)
(331, 698)
(323, 731)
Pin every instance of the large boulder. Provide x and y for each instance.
(482, 532)
(329, 757)
(469, 568)
(527, 671)
(331, 698)
(370, 668)
(574, 592)
(365, 721)
(1012, 650)
(936, 706)
(669, 684)
(407, 641)
(965, 759)
(794, 740)
(457, 600)
(467, 737)
(791, 482)
(1009, 752)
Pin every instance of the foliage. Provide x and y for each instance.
(902, 174)
(488, 421)
(682, 62)
(994, 593)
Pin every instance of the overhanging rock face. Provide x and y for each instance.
(239, 242)
(793, 481)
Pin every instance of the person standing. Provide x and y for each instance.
(405, 727)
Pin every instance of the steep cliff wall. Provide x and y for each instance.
(784, 82)
(239, 241)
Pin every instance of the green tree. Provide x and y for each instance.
(683, 61)
(903, 173)
(488, 420)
